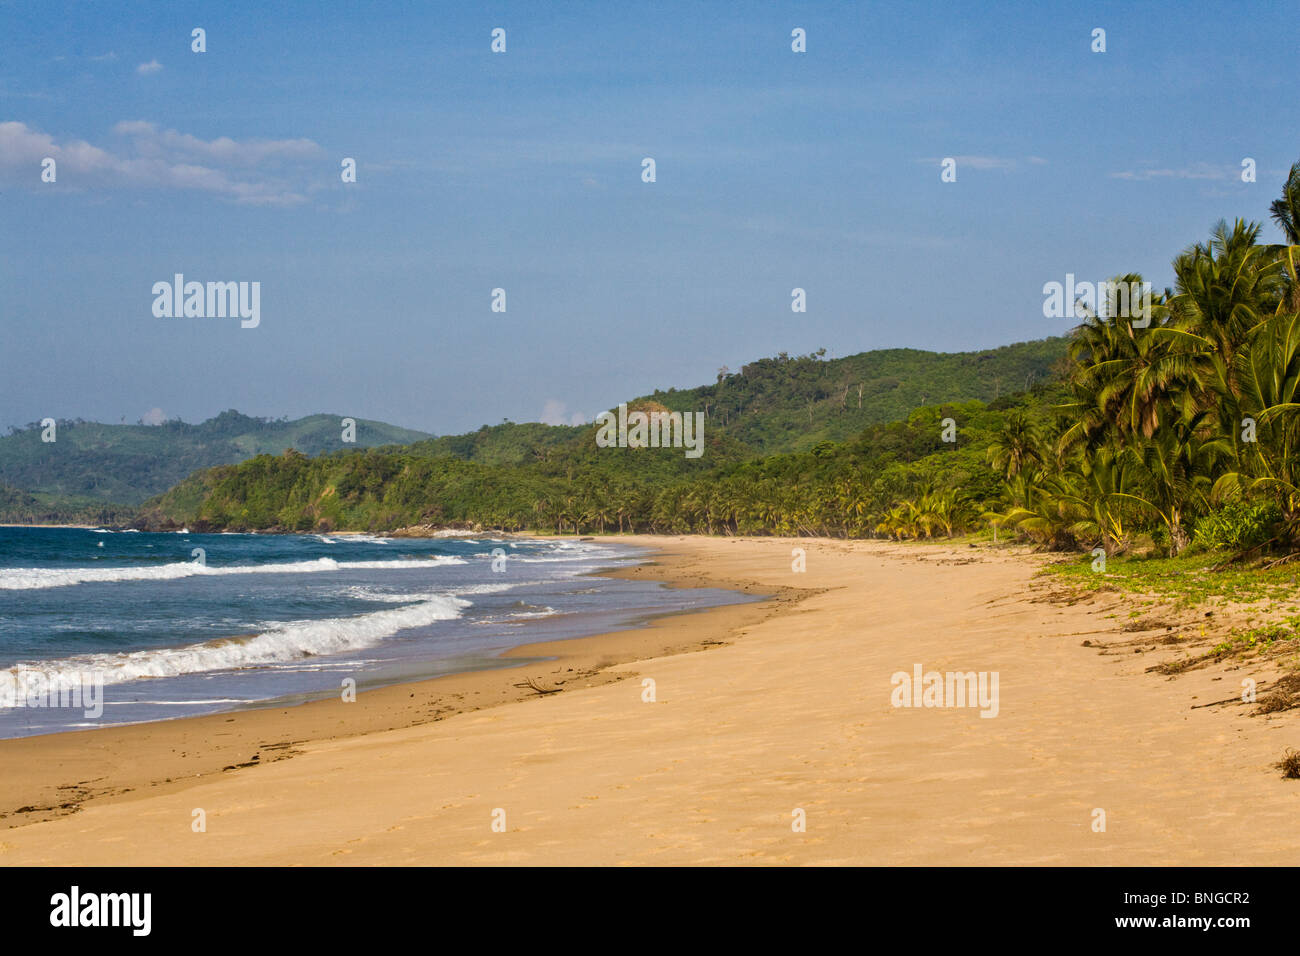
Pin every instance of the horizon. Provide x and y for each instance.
(522, 171)
(591, 422)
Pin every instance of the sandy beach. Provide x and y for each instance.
(763, 715)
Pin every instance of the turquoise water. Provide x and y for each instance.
(169, 625)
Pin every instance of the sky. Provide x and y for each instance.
(522, 170)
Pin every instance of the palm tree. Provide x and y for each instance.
(1286, 210)
(1099, 491)
(1016, 446)
(1047, 513)
(1226, 288)
(1179, 470)
(1122, 375)
(1286, 214)
(1131, 388)
(1269, 369)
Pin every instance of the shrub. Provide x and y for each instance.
(1237, 526)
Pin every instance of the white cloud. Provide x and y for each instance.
(1194, 171)
(144, 69)
(1004, 163)
(555, 412)
(975, 162)
(155, 416)
(149, 139)
(157, 159)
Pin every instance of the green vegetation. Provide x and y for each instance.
(1184, 430)
(18, 507)
(789, 404)
(766, 406)
(1266, 635)
(1185, 581)
(115, 467)
(573, 486)
(504, 444)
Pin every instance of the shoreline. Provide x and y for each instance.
(74, 527)
(83, 765)
(796, 715)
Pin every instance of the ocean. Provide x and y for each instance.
(177, 624)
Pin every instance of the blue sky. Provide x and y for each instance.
(522, 170)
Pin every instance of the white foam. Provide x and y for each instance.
(542, 612)
(365, 593)
(28, 579)
(292, 640)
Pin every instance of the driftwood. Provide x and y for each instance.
(532, 684)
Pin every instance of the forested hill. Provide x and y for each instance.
(102, 473)
(92, 463)
(778, 431)
(787, 404)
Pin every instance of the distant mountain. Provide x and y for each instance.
(790, 404)
(91, 464)
(781, 405)
(775, 423)
(787, 404)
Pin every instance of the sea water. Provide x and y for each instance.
(178, 624)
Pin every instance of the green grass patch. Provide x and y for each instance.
(1184, 581)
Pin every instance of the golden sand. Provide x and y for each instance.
(781, 712)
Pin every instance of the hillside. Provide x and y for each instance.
(789, 403)
(775, 406)
(578, 487)
(505, 444)
(125, 465)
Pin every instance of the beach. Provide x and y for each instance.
(768, 735)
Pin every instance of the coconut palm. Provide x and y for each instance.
(1269, 370)
(1016, 446)
(1286, 214)
(1225, 289)
(1179, 467)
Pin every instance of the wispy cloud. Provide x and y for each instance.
(1004, 163)
(153, 66)
(157, 158)
(150, 140)
(1194, 171)
(795, 232)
